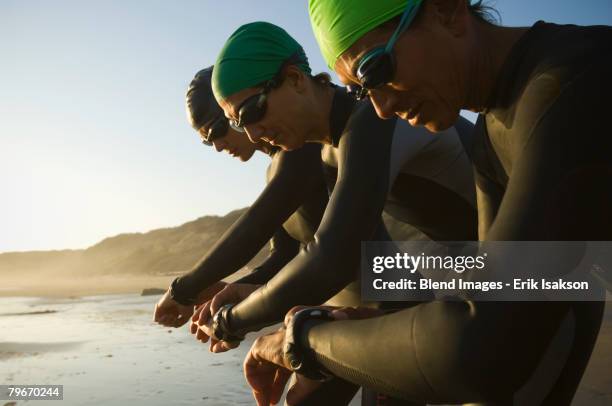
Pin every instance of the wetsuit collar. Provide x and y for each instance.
(511, 67)
(342, 107)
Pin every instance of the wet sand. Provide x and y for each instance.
(106, 350)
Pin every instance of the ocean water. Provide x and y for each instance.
(105, 350)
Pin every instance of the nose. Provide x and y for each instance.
(384, 103)
(254, 132)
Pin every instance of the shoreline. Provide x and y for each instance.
(70, 286)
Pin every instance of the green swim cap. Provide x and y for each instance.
(338, 24)
(252, 55)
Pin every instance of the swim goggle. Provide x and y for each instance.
(377, 67)
(254, 107)
(216, 129)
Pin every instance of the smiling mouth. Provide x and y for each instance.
(411, 114)
(271, 139)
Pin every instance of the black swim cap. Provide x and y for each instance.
(200, 101)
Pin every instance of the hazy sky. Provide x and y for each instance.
(93, 136)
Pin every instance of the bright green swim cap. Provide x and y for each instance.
(338, 24)
(252, 55)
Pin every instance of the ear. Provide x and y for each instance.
(451, 14)
(296, 78)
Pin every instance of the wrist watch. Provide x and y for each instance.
(175, 294)
(301, 359)
(221, 328)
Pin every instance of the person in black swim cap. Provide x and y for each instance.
(287, 212)
(206, 117)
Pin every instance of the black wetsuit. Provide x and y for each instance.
(543, 157)
(288, 210)
(420, 171)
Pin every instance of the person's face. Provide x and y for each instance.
(428, 86)
(285, 121)
(235, 143)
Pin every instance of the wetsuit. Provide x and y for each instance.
(543, 157)
(289, 210)
(381, 164)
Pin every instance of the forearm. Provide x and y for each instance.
(283, 249)
(232, 252)
(440, 351)
(315, 275)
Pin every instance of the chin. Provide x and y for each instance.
(440, 123)
(245, 158)
(435, 126)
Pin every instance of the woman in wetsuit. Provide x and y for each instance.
(263, 82)
(543, 157)
(288, 210)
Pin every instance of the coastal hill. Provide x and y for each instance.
(128, 263)
(159, 252)
(165, 251)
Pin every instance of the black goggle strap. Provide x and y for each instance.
(356, 91)
(215, 124)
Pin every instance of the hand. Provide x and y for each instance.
(300, 390)
(303, 386)
(201, 324)
(265, 369)
(170, 313)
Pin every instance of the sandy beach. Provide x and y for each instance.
(105, 349)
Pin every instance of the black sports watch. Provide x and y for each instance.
(178, 297)
(301, 359)
(221, 328)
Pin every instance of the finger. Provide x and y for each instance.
(213, 342)
(178, 321)
(156, 313)
(261, 398)
(202, 336)
(207, 329)
(193, 327)
(296, 309)
(300, 389)
(293, 311)
(219, 348)
(224, 346)
(204, 314)
(196, 314)
(165, 320)
(340, 315)
(224, 296)
(278, 385)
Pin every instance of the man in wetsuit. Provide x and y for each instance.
(543, 157)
